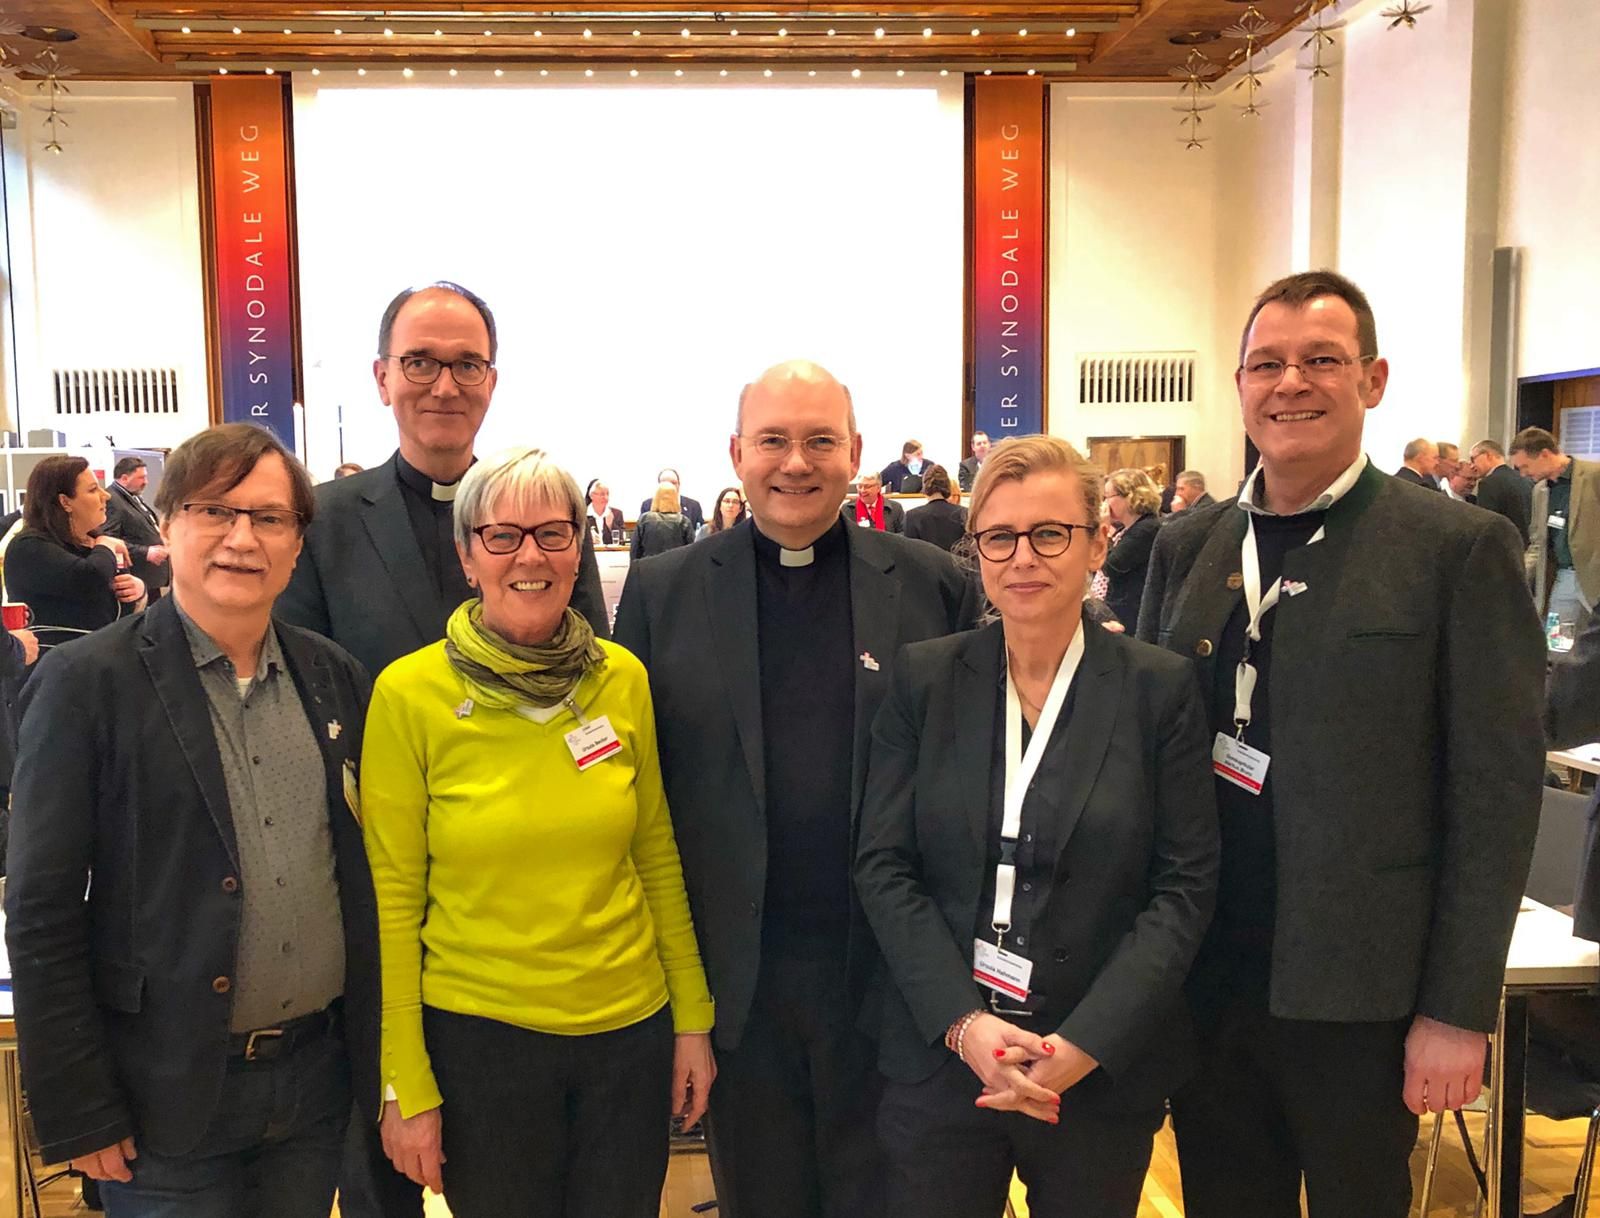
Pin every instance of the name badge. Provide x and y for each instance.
(1238, 763)
(1557, 521)
(593, 742)
(352, 795)
(1001, 970)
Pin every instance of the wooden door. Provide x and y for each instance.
(1159, 456)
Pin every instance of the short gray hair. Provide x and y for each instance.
(1416, 448)
(1190, 477)
(1488, 446)
(518, 474)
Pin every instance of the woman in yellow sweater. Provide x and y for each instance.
(544, 1006)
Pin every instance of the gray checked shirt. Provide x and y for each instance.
(291, 941)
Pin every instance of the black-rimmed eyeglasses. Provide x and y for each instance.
(220, 518)
(1047, 540)
(553, 536)
(424, 369)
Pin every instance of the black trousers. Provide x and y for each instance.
(542, 1126)
(1278, 1099)
(369, 1186)
(949, 1158)
(793, 1108)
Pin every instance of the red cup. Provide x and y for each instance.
(16, 616)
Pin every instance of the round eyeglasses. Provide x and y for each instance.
(424, 369)
(1047, 540)
(552, 536)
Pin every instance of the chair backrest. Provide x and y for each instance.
(1558, 850)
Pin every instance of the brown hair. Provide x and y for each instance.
(1135, 486)
(715, 520)
(1530, 440)
(219, 458)
(50, 479)
(1014, 459)
(1297, 291)
(936, 482)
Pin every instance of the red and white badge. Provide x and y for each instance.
(1001, 970)
(593, 742)
(1240, 764)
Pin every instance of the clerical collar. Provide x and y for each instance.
(1250, 495)
(441, 492)
(770, 552)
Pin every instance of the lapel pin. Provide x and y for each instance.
(1293, 587)
(464, 709)
(868, 662)
(1235, 581)
(334, 729)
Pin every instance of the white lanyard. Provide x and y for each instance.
(1020, 769)
(1244, 679)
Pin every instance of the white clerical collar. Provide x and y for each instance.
(797, 558)
(445, 492)
(1250, 492)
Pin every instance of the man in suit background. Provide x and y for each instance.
(1500, 488)
(195, 1027)
(379, 573)
(764, 729)
(1367, 901)
(1421, 458)
(689, 507)
(968, 473)
(1563, 525)
(872, 509)
(129, 517)
(1190, 486)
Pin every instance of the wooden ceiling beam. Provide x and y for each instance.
(266, 10)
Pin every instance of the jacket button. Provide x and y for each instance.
(230, 884)
(755, 910)
(1061, 955)
(221, 985)
(1203, 648)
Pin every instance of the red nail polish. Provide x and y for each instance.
(999, 1052)
(1048, 1047)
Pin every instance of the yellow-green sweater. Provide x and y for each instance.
(510, 885)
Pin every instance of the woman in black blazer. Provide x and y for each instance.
(1095, 882)
(1134, 504)
(605, 522)
(941, 520)
(664, 527)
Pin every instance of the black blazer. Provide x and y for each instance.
(1507, 492)
(657, 532)
(939, 521)
(894, 516)
(1135, 879)
(122, 1028)
(65, 586)
(706, 682)
(1572, 717)
(130, 518)
(1406, 474)
(967, 473)
(610, 526)
(361, 580)
(689, 507)
(1125, 569)
(894, 477)
(1406, 789)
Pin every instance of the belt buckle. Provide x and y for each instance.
(272, 1035)
(997, 1007)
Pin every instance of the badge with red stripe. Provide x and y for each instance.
(592, 742)
(1232, 760)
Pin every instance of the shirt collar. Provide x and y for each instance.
(1564, 476)
(1250, 492)
(205, 651)
(425, 486)
(772, 554)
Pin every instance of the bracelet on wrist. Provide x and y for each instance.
(955, 1037)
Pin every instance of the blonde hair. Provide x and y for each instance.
(665, 499)
(1017, 457)
(1135, 486)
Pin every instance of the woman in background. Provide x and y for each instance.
(942, 520)
(605, 521)
(728, 512)
(1133, 503)
(664, 527)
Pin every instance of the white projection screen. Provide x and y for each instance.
(646, 249)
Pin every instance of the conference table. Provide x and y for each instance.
(1585, 757)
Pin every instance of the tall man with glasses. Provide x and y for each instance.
(764, 725)
(194, 1023)
(379, 573)
(1378, 802)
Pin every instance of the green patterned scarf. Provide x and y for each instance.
(503, 674)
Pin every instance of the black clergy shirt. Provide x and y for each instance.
(805, 635)
(432, 523)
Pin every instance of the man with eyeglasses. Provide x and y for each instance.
(195, 1021)
(764, 725)
(379, 573)
(1378, 803)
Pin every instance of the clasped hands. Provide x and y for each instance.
(1021, 1072)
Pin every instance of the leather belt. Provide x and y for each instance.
(267, 1044)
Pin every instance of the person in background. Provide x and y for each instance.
(970, 467)
(942, 520)
(664, 527)
(871, 509)
(194, 1024)
(729, 512)
(544, 1007)
(19, 651)
(1190, 487)
(689, 507)
(74, 580)
(896, 474)
(1449, 461)
(1068, 825)
(1462, 483)
(1500, 488)
(1563, 525)
(1132, 506)
(130, 518)
(604, 521)
(1358, 950)
(348, 468)
(1421, 460)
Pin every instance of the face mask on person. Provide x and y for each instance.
(914, 465)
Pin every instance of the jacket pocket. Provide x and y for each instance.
(118, 987)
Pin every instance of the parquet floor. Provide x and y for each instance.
(1552, 1158)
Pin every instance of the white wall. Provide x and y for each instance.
(647, 250)
(105, 255)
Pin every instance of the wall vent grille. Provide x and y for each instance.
(1580, 431)
(82, 391)
(1145, 378)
